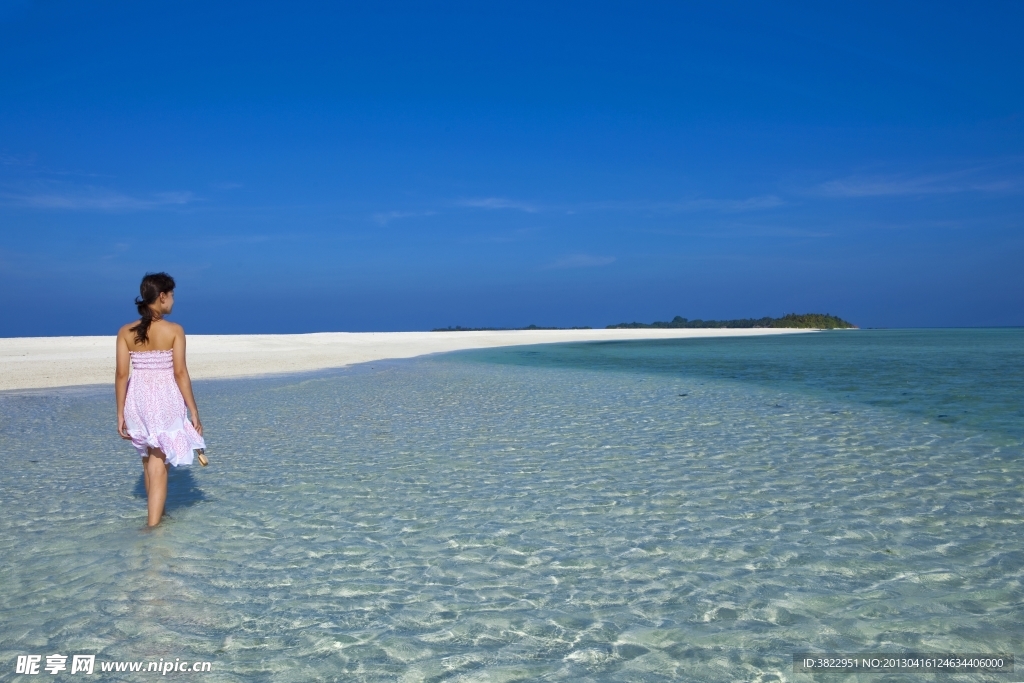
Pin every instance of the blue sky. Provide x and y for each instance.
(307, 167)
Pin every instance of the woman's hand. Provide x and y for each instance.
(122, 428)
(197, 424)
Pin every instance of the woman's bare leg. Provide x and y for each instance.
(156, 471)
(145, 473)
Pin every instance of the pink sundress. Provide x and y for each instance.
(154, 410)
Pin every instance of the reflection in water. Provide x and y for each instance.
(182, 489)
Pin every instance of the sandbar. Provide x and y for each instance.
(47, 362)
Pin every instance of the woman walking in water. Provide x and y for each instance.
(151, 402)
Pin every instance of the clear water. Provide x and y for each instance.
(542, 513)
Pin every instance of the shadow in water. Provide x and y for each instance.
(182, 489)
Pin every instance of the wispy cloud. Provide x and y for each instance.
(499, 203)
(385, 217)
(226, 186)
(967, 180)
(27, 165)
(235, 240)
(581, 261)
(90, 198)
(12, 160)
(757, 203)
(116, 250)
(766, 201)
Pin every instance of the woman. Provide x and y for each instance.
(151, 402)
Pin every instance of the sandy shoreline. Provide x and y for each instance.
(43, 362)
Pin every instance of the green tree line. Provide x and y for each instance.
(820, 321)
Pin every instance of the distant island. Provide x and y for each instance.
(820, 321)
(460, 328)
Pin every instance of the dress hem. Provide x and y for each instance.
(174, 457)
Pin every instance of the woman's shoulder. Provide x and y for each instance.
(126, 329)
(166, 331)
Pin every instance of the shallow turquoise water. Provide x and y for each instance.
(543, 513)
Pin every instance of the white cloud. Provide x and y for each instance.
(499, 203)
(387, 216)
(901, 185)
(766, 201)
(581, 261)
(880, 186)
(89, 198)
(757, 203)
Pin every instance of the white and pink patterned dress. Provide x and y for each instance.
(154, 410)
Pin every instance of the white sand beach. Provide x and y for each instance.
(42, 362)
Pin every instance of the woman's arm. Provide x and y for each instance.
(121, 371)
(182, 378)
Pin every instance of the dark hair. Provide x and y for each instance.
(153, 285)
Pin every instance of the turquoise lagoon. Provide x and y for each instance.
(693, 510)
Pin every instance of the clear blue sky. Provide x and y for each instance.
(393, 166)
